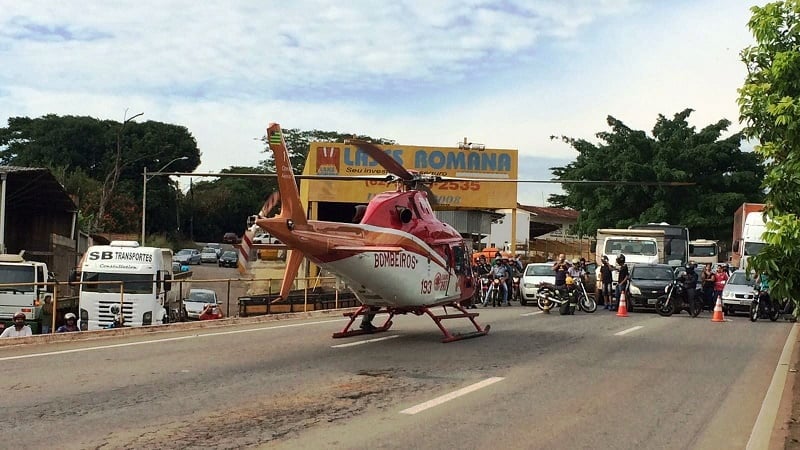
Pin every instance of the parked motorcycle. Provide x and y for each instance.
(675, 300)
(566, 299)
(516, 295)
(762, 309)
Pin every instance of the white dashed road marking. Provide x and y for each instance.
(353, 344)
(532, 313)
(453, 395)
(629, 330)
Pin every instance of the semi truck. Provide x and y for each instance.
(126, 281)
(748, 230)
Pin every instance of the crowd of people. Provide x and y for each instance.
(21, 329)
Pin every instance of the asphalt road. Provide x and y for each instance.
(540, 381)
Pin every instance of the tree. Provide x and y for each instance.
(112, 155)
(724, 177)
(769, 104)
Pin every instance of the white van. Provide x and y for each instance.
(145, 274)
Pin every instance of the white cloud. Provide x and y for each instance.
(508, 73)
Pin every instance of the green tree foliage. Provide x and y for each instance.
(769, 103)
(724, 177)
(82, 153)
(213, 208)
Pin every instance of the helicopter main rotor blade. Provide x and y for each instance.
(388, 178)
(383, 159)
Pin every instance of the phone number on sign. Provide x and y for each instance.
(445, 186)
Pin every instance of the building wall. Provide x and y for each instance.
(501, 232)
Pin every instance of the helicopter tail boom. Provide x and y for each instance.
(291, 208)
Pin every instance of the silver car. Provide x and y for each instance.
(738, 292)
(209, 255)
(197, 300)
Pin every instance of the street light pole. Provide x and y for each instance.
(144, 191)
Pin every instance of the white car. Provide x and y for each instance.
(738, 292)
(216, 246)
(209, 255)
(264, 238)
(534, 274)
(197, 300)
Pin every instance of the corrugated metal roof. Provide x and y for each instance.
(34, 188)
(545, 213)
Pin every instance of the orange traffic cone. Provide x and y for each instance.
(622, 311)
(718, 315)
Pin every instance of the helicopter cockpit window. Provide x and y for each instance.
(460, 259)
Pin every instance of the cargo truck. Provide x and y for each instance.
(638, 246)
(748, 230)
(125, 279)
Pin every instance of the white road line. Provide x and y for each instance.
(353, 344)
(154, 341)
(762, 429)
(447, 397)
(532, 314)
(629, 330)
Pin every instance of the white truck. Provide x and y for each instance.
(125, 279)
(638, 246)
(24, 296)
(748, 230)
(704, 251)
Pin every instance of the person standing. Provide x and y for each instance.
(708, 278)
(622, 281)
(720, 278)
(19, 329)
(606, 281)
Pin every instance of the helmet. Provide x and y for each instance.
(19, 315)
(690, 267)
(575, 261)
(570, 281)
(604, 258)
(621, 258)
(69, 316)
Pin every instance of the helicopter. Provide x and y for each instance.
(397, 257)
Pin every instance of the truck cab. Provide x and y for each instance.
(23, 288)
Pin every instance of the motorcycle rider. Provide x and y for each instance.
(501, 272)
(690, 283)
(576, 270)
(762, 282)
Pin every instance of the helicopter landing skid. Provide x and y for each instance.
(450, 337)
(347, 332)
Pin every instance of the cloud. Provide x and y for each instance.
(504, 73)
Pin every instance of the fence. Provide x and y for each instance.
(547, 249)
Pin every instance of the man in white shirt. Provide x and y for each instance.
(19, 329)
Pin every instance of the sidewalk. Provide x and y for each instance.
(786, 433)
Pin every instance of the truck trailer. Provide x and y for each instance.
(748, 230)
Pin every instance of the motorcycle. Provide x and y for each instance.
(674, 301)
(567, 299)
(494, 293)
(516, 295)
(764, 309)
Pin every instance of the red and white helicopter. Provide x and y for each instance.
(398, 259)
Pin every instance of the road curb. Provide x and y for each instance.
(156, 329)
(765, 422)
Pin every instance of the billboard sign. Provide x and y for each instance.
(325, 158)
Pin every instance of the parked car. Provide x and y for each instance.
(534, 274)
(196, 301)
(230, 238)
(648, 283)
(738, 292)
(187, 256)
(263, 238)
(217, 248)
(209, 255)
(229, 259)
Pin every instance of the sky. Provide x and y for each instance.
(506, 73)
